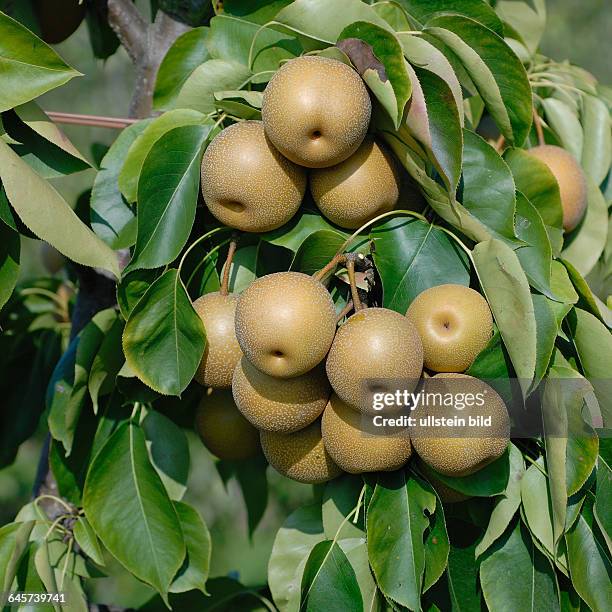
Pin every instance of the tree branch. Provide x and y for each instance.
(130, 27)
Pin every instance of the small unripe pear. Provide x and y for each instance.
(246, 183)
(316, 111)
(285, 323)
(222, 352)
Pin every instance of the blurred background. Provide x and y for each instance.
(578, 30)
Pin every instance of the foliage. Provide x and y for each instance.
(536, 533)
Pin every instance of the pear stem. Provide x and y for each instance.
(350, 266)
(323, 272)
(345, 311)
(224, 290)
(538, 127)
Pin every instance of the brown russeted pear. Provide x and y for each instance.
(285, 323)
(246, 183)
(316, 111)
(455, 324)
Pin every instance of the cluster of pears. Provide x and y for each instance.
(315, 118)
(297, 379)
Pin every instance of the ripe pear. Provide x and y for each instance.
(358, 189)
(223, 429)
(285, 323)
(280, 404)
(374, 344)
(246, 183)
(300, 455)
(468, 448)
(356, 446)
(222, 352)
(455, 324)
(316, 111)
(571, 179)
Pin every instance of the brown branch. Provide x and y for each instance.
(116, 123)
(129, 26)
(323, 272)
(350, 266)
(538, 127)
(224, 290)
(345, 311)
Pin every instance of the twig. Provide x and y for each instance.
(224, 290)
(350, 266)
(115, 123)
(323, 272)
(129, 26)
(349, 306)
(538, 127)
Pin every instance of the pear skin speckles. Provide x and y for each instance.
(316, 111)
(285, 323)
(222, 351)
(246, 183)
(455, 324)
(375, 343)
(300, 455)
(356, 451)
(280, 404)
(358, 189)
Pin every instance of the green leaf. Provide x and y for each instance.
(164, 337)
(536, 253)
(589, 562)
(13, 543)
(293, 234)
(259, 49)
(47, 214)
(112, 219)
(184, 56)
(423, 11)
(593, 345)
(142, 145)
(329, 581)
(589, 239)
(488, 186)
(300, 533)
(586, 298)
(506, 504)
(547, 329)
(168, 451)
(497, 72)
(601, 508)
(87, 539)
(9, 261)
(434, 120)
(132, 287)
(536, 501)
(396, 523)
(339, 499)
(243, 104)
(30, 66)
(127, 505)
(597, 149)
(167, 196)
(323, 21)
(436, 546)
(316, 251)
(194, 572)
(524, 21)
(420, 52)
(506, 288)
(538, 184)
(515, 575)
(213, 75)
(489, 481)
(564, 122)
(387, 71)
(412, 256)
